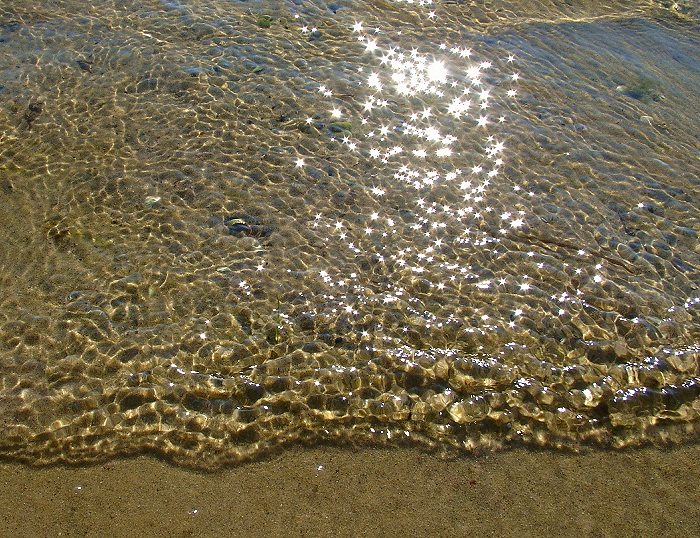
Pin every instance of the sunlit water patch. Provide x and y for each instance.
(242, 230)
(431, 125)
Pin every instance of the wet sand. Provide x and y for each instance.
(369, 492)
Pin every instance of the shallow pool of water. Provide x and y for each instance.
(228, 226)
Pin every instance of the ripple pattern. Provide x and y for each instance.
(227, 228)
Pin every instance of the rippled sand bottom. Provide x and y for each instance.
(373, 492)
(225, 231)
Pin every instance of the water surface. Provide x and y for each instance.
(229, 226)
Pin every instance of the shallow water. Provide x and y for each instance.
(228, 226)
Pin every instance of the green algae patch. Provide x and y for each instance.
(264, 21)
(643, 89)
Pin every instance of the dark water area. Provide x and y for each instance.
(233, 226)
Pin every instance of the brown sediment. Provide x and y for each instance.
(368, 492)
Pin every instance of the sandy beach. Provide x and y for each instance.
(231, 226)
(369, 492)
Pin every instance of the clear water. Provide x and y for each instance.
(229, 226)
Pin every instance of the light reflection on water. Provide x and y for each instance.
(228, 230)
